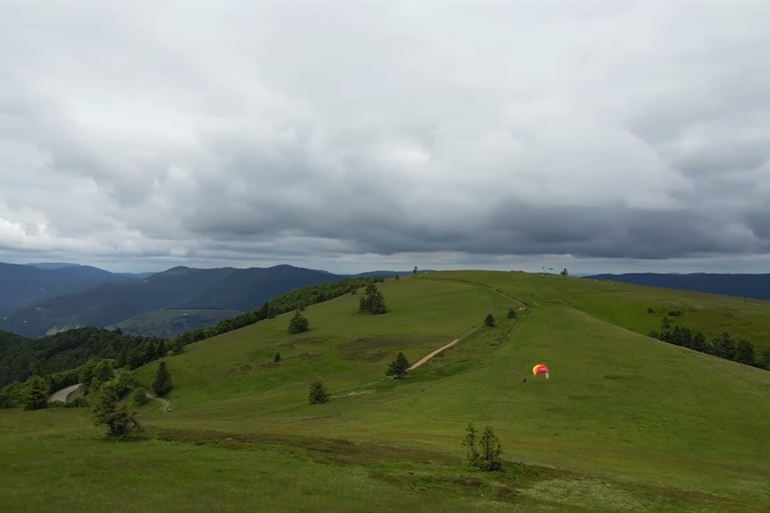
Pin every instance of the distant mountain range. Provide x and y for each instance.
(24, 285)
(39, 299)
(755, 286)
(42, 298)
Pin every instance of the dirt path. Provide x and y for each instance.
(433, 353)
(166, 404)
(62, 394)
(522, 304)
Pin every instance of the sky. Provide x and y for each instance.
(601, 136)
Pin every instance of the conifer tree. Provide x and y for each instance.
(398, 367)
(162, 384)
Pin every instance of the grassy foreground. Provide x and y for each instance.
(626, 423)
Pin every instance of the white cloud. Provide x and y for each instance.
(234, 132)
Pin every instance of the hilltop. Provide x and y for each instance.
(626, 422)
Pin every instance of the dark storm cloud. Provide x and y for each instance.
(237, 132)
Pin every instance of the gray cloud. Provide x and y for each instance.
(366, 134)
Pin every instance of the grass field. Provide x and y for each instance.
(626, 423)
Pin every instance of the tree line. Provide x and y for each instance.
(21, 357)
(722, 345)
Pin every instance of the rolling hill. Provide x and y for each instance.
(185, 288)
(24, 285)
(755, 286)
(625, 422)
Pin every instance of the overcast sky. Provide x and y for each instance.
(606, 136)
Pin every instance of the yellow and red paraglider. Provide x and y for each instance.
(541, 369)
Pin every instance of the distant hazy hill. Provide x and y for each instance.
(24, 285)
(755, 286)
(177, 288)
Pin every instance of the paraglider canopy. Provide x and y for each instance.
(541, 369)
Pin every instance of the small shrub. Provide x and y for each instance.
(650, 310)
(123, 385)
(318, 392)
(674, 313)
(140, 396)
(80, 402)
(511, 313)
(489, 320)
(298, 323)
(277, 357)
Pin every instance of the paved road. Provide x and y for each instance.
(62, 394)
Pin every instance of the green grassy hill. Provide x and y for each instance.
(626, 422)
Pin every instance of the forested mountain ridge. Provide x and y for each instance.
(177, 288)
(756, 286)
(24, 285)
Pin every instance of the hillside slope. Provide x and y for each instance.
(618, 404)
(23, 285)
(176, 288)
(625, 422)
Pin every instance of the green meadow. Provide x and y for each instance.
(625, 422)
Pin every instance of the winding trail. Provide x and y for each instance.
(62, 394)
(432, 354)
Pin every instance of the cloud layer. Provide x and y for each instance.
(247, 132)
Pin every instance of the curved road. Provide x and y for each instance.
(62, 394)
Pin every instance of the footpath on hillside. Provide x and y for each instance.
(359, 389)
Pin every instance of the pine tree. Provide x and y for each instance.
(373, 301)
(764, 359)
(744, 352)
(511, 313)
(162, 349)
(177, 346)
(724, 346)
(489, 320)
(398, 367)
(162, 384)
(699, 342)
(489, 456)
(318, 392)
(469, 442)
(107, 412)
(277, 357)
